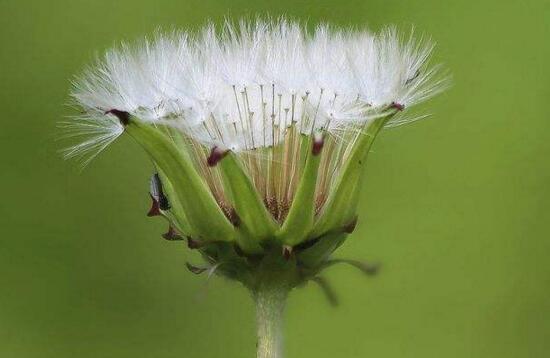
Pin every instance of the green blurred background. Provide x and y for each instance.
(456, 207)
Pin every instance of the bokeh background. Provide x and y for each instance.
(456, 207)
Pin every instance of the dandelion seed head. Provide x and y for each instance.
(256, 88)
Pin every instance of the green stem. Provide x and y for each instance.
(270, 305)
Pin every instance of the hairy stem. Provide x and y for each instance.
(270, 305)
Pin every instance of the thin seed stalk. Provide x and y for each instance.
(270, 304)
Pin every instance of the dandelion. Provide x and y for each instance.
(258, 133)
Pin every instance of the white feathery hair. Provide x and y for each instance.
(253, 78)
(257, 84)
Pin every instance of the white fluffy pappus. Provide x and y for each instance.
(241, 87)
(255, 88)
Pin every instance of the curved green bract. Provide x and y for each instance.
(255, 222)
(342, 201)
(201, 210)
(300, 218)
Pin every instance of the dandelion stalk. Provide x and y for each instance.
(258, 134)
(270, 305)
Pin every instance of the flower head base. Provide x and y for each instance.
(258, 133)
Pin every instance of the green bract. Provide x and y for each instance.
(240, 235)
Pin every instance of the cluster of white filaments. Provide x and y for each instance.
(256, 88)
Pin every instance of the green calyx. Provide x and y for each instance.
(237, 238)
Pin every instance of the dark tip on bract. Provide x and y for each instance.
(397, 106)
(371, 269)
(123, 117)
(215, 156)
(318, 142)
(192, 243)
(172, 235)
(287, 252)
(155, 208)
(194, 269)
(350, 227)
